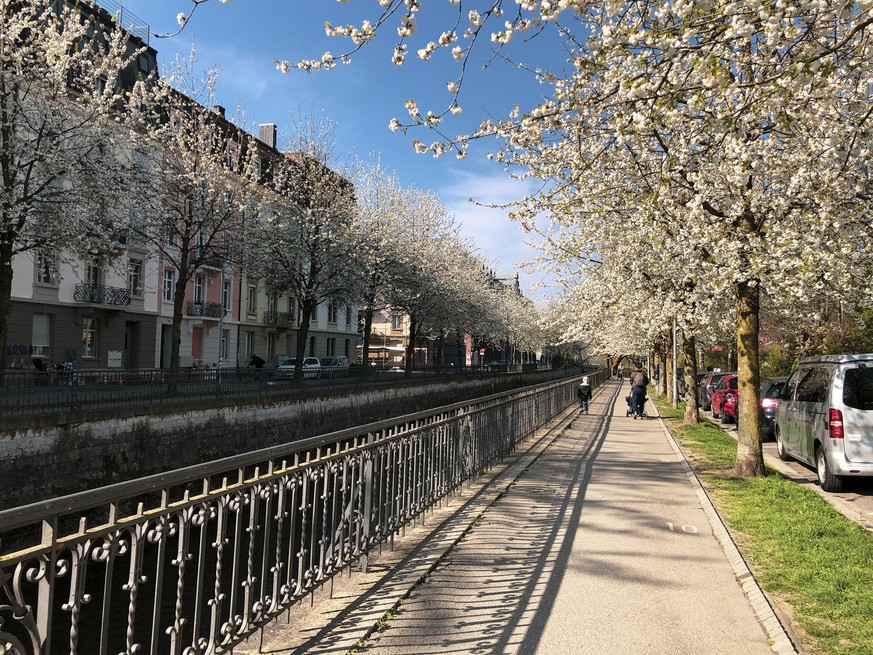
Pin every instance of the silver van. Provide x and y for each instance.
(825, 417)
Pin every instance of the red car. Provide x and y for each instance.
(724, 399)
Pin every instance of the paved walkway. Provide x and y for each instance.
(595, 539)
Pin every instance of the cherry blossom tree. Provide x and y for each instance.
(303, 241)
(61, 134)
(196, 181)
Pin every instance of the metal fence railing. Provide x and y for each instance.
(196, 560)
(30, 393)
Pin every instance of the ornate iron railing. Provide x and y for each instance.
(211, 309)
(97, 294)
(277, 318)
(196, 560)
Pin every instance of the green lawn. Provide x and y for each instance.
(813, 562)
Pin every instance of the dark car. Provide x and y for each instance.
(705, 390)
(771, 393)
(723, 401)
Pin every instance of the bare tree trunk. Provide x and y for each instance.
(410, 346)
(689, 352)
(750, 456)
(441, 342)
(306, 308)
(365, 351)
(5, 295)
(669, 373)
(178, 306)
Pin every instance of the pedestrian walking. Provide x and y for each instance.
(639, 381)
(583, 393)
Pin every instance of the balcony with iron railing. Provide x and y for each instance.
(279, 319)
(101, 295)
(208, 309)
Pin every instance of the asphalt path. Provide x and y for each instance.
(595, 539)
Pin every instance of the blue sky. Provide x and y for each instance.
(243, 37)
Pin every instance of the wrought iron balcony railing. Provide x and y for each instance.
(98, 294)
(212, 309)
(281, 319)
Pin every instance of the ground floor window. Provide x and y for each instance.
(40, 335)
(89, 337)
(250, 344)
(271, 345)
(312, 346)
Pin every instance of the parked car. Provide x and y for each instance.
(311, 368)
(705, 390)
(825, 417)
(336, 366)
(771, 393)
(723, 402)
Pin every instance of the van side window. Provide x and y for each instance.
(858, 388)
(791, 385)
(814, 387)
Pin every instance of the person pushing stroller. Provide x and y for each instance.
(639, 381)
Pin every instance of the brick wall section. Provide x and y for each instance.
(56, 456)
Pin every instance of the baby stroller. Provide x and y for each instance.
(630, 410)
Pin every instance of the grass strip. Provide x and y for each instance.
(814, 563)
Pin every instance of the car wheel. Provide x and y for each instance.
(827, 480)
(780, 447)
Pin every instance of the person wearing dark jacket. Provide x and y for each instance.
(639, 381)
(583, 393)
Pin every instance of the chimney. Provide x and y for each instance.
(218, 109)
(267, 134)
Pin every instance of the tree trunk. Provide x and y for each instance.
(689, 352)
(306, 308)
(365, 351)
(410, 346)
(178, 307)
(438, 361)
(662, 373)
(5, 296)
(750, 456)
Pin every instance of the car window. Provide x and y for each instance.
(790, 386)
(289, 362)
(720, 384)
(858, 388)
(732, 384)
(813, 388)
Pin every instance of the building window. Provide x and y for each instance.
(252, 304)
(331, 313)
(225, 295)
(331, 346)
(40, 335)
(93, 275)
(347, 348)
(199, 288)
(348, 316)
(250, 344)
(312, 346)
(89, 337)
(46, 269)
(134, 277)
(271, 345)
(397, 322)
(222, 347)
(169, 286)
(273, 302)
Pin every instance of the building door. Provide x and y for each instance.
(166, 345)
(197, 344)
(130, 357)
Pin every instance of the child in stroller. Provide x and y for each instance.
(630, 409)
